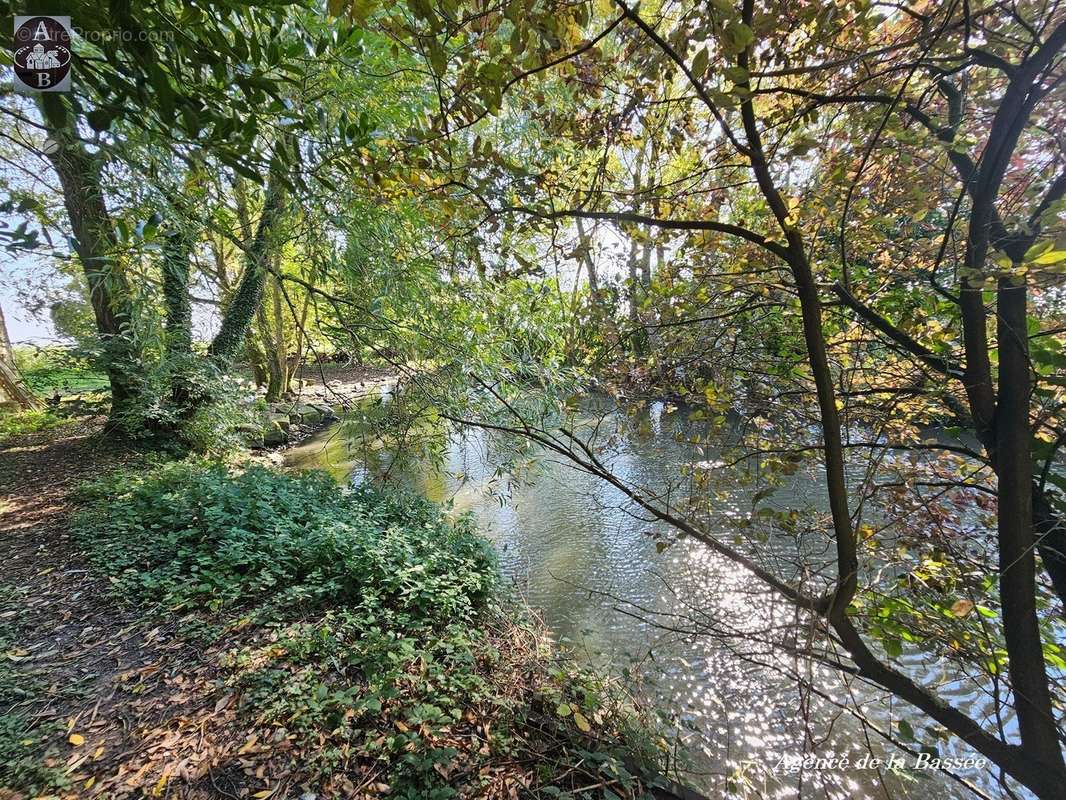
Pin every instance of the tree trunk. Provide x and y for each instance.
(176, 252)
(1038, 763)
(256, 360)
(184, 394)
(96, 246)
(246, 299)
(634, 284)
(1017, 562)
(272, 333)
(12, 388)
(585, 245)
(6, 353)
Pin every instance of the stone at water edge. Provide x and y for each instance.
(326, 410)
(307, 414)
(275, 436)
(279, 420)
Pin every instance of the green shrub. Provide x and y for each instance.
(357, 628)
(194, 534)
(14, 423)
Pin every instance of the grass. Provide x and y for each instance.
(362, 638)
(48, 370)
(16, 423)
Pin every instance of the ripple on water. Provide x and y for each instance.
(682, 621)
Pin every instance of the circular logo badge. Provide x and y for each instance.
(42, 53)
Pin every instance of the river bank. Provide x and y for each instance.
(145, 656)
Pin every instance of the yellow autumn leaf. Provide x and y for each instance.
(581, 722)
(962, 608)
(76, 739)
(1050, 257)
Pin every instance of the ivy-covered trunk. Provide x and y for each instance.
(242, 307)
(256, 361)
(177, 250)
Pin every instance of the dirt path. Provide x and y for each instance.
(86, 686)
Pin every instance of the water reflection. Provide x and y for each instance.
(699, 636)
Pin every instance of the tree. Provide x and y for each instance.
(746, 62)
(12, 387)
(147, 104)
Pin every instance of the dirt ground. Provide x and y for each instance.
(127, 708)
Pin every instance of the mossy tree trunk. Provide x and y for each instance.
(275, 348)
(96, 245)
(177, 249)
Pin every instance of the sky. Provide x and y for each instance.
(22, 326)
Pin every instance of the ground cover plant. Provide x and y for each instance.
(357, 639)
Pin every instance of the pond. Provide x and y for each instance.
(686, 628)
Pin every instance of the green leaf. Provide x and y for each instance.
(1038, 250)
(737, 36)
(737, 74)
(699, 63)
(906, 732)
(491, 71)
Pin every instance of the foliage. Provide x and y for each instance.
(841, 223)
(24, 758)
(205, 417)
(26, 752)
(298, 540)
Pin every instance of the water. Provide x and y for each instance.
(694, 634)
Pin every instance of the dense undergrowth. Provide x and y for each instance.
(363, 634)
